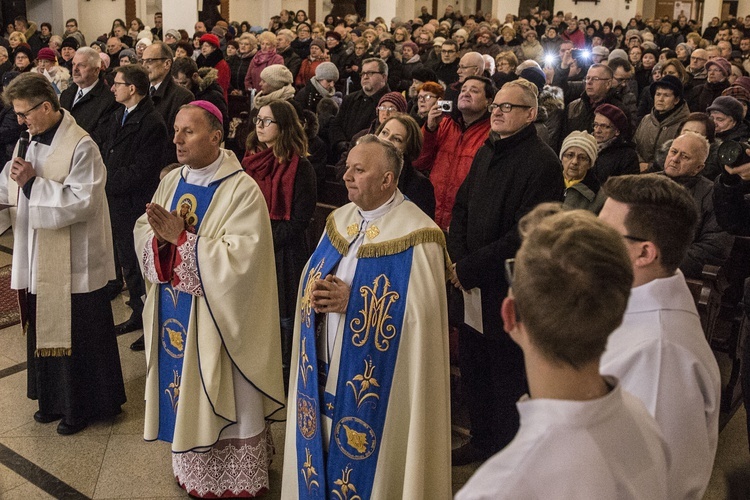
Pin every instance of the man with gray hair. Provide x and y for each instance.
(471, 64)
(375, 290)
(62, 259)
(88, 99)
(358, 110)
(513, 172)
(284, 48)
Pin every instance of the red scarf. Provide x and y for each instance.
(275, 179)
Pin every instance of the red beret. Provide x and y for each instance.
(615, 115)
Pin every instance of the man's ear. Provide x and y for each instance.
(648, 253)
(512, 321)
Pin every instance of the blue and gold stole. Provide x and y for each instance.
(371, 335)
(191, 202)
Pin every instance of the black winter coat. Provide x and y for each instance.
(237, 71)
(732, 204)
(134, 155)
(168, 99)
(356, 113)
(508, 178)
(10, 132)
(618, 158)
(93, 113)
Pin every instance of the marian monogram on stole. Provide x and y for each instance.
(375, 315)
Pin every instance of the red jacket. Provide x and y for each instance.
(222, 68)
(447, 155)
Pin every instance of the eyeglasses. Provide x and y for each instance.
(505, 107)
(595, 79)
(510, 270)
(425, 97)
(120, 83)
(263, 122)
(368, 74)
(152, 61)
(602, 126)
(25, 114)
(71, 26)
(389, 109)
(634, 238)
(466, 67)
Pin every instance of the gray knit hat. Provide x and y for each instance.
(277, 76)
(583, 140)
(617, 54)
(174, 33)
(327, 71)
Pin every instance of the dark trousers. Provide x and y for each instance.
(131, 271)
(492, 381)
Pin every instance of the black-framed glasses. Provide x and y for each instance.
(368, 74)
(151, 61)
(25, 114)
(263, 122)
(448, 52)
(602, 126)
(510, 270)
(505, 107)
(634, 238)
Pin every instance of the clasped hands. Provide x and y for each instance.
(330, 295)
(167, 226)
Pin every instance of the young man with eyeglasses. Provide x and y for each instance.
(513, 172)
(446, 68)
(134, 155)
(62, 260)
(660, 353)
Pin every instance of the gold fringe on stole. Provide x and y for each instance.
(392, 247)
(338, 241)
(53, 352)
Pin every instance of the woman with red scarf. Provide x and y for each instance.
(264, 58)
(276, 159)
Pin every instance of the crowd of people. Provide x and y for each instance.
(475, 153)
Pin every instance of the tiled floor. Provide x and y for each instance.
(111, 460)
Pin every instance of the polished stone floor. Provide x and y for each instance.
(111, 460)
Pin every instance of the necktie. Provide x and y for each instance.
(124, 117)
(79, 95)
(152, 91)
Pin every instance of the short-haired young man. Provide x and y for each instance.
(581, 435)
(660, 353)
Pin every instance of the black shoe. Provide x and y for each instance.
(138, 344)
(66, 429)
(127, 327)
(46, 418)
(468, 454)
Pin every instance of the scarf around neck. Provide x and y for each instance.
(275, 180)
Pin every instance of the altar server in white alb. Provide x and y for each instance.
(660, 352)
(62, 259)
(211, 317)
(582, 436)
(369, 403)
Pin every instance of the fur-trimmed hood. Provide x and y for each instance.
(209, 77)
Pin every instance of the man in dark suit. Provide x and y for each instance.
(134, 155)
(168, 97)
(88, 99)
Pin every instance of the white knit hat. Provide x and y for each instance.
(277, 76)
(583, 140)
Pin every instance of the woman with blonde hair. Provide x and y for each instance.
(264, 58)
(276, 159)
(15, 39)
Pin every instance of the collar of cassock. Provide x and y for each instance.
(47, 136)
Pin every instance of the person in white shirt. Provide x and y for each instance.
(581, 435)
(660, 353)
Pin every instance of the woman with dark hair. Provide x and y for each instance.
(402, 131)
(116, 23)
(276, 160)
(184, 49)
(136, 26)
(45, 33)
(300, 17)
(22, 58)
(244, 27)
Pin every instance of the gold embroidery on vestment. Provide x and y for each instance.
(345, 487)
(366, 381)
(173, 391)
(375, 315)
(307, 296)
(308, 471)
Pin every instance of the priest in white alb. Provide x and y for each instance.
(211, 329)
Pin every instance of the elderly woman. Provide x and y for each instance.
(582, 188)
(616, 152)
(316, 57)
(505, 68)
(212, 57)
(15, 39)
(264, 58)
(46, 64)
(427, 95)
(403, 132)
(22, 58)
(665, 118)
(531, 47)
(276, 159)
(240, 62)
(718, 70)
(275, 84)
